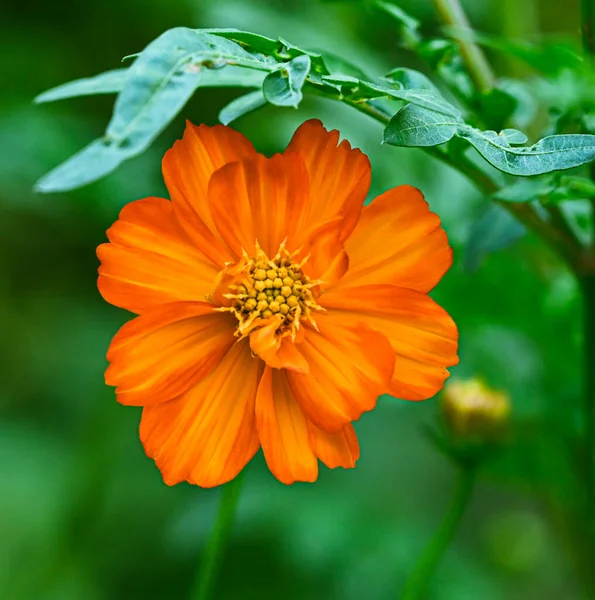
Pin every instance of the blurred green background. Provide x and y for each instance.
(84, 514)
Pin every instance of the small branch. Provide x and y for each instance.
(588, 287)
(418, 581)
(203, 584)
(588, 26)
(452, 13)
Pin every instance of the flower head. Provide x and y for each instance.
(474, 412)
(273, 308)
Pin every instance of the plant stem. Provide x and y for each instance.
(203, 584)
(588, 26)
(453, 14)
(588, 287)
(419, 578)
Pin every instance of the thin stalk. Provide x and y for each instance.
(453, 14)
(588, 30)
(588, 26)
(211, 558)
(419, 578)
(588, 287)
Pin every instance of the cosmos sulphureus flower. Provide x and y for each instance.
(273, 308)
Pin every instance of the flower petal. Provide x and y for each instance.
(283, 430)
(339, 175)
(421, 333)
(208, 435)
(259, 199)
(187, 169)
(279, 353)
(350, 366)
(148, 262)
(335, 449)
(166, 351)
(398, 241)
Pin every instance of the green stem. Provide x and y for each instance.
(453, 14)
(588, 286)
(588, 26)
(419, 578)
(211, 558)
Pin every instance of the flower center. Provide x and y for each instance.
(274, 287)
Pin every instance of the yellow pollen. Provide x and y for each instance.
(268, 287)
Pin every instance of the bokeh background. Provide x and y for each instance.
(84, 515)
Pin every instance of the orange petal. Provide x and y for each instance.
(339, 175)
(421, 333)
(279, 353)
(398, 241)
(283, 430)
(327, 260)
(187, 169)
(350, 366)
(166, 351)
(260, 199)
(148, 262)
(208, 435)
(335, 449)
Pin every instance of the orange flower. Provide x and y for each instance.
(273, 309)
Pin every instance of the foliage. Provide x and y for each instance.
(84, 515)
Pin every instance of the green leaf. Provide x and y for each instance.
(112, 82)
(357, 90)
(552, 153)
(253, 41)
(109, 82)
(93, 162)
(242, 105)
(283, 87)
(513, 136)
(337, 64)
(497, 107)
(495, 230)
(279, 49)
(408, 24)
(417, 126)
(548, 190)
(290, 52)
(410, 79)
(159, 83)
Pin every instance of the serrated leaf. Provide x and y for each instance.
(283, 87)
(109, 82)
(159, 83)
(417, 126)
(552, 153)
(495, 230)
(241, 106)
(410, 79)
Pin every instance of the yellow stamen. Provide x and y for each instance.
(268, 287)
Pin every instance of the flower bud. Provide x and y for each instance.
(474, 412)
